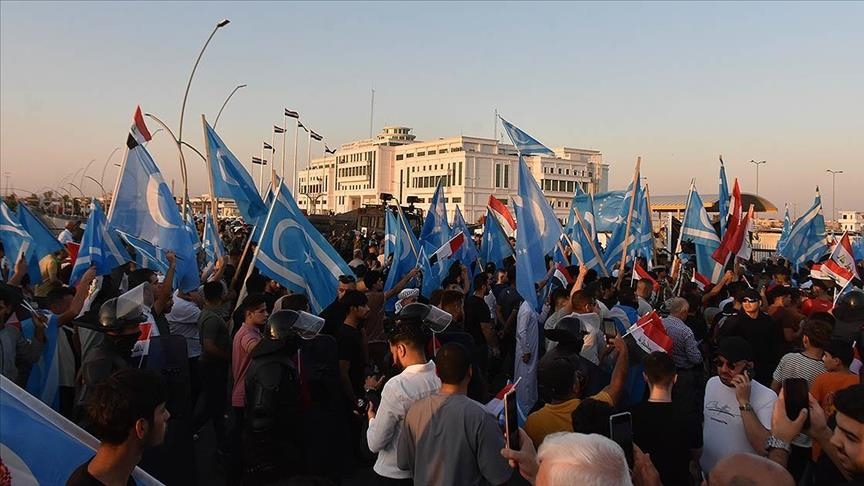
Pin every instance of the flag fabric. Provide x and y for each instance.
(138, 133)
(538, 235)
(328, 150)
(16, 240)
(291, 114)
(495, 406)
(818, 272)
(616, 246)
(745, 250)
(100, 246)
(73, 248)
(146, 255)
(296, 255)
(192, 231)
(841, 264)
(807, 239)
(505, 219)
(640, 273)
(562, 275)
(405, 248)
(259, 223)
(730, 243)
(436, 231)
(467, 253)
(267, 146)
(301, 125)
(700, 280)
(211, 243)
(39, 445)
(858, 248)
(278, 129)
(787, 228)
(607, 210)
(495, 246)
(431, 276)
(646, 336)
(723, 201)
(230, 179)
(315, 136)
(448, 249)
(391, 227)
(645, 235)
(697, 229)
(43, 240)
(258, 161)
(525, 144)
(582, 232)
(144, 208)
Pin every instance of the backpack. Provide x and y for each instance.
(272, 393)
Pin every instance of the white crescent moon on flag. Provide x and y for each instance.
(222, 173)
(277, 238)
(537, 214)
(154, 184)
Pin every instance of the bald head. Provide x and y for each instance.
(749, 470)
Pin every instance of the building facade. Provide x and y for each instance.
(470, 168)
(852, 221)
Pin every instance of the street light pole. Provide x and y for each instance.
(179, 137)
(755, 224)
(834, 192)
(216, 122)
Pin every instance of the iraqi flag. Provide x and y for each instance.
(640, 273)
(563, 275)
(448, 249)
(700, 280)
(646, 336)
(499, 209)
(840, 266)
(139, 133)
(818, 272)
(731, 242)
(496, 405)
(745, 250)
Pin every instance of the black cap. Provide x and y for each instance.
(735, 349)
(568, 330)
(842, 350)
(751, 294)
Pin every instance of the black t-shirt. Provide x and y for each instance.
(763, 336)
(476, 312)
(667, 434)
(349, 344)
(81, 477)
(333, 315)
(212, 326)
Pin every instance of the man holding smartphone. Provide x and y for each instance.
(737, 409)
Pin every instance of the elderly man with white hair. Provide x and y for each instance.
(686, 355)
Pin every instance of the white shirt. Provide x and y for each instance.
(65, 236)
(527, 342)
(723, 430)
(183, 321)
(595, 340)
(415, 382)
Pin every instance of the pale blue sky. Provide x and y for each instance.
(678, 83)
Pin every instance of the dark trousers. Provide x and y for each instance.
(214, 386)
(688, 391)
(384, 481)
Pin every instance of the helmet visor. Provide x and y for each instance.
(307, 325)
(437, 320)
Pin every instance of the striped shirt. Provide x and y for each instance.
(798, 365)
(685, 350)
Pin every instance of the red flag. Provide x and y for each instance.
(640, 273)
(841, 265)
(73, 248)
(730, 244)
(647, 336)
(700, 280)
(563, 275)
(503, 214)
(139, 133)
(743, 248)
(448, 249)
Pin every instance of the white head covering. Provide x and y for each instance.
(405, 295)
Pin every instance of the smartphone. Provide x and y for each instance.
(796, 393)
(609, 328)
(621, 431)
(511, 420)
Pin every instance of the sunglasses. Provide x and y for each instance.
(750, 301)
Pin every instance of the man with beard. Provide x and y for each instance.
(417, 380)
(736, 410)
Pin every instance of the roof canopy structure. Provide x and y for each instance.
(674, 204)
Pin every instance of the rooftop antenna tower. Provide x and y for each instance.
(372, 115)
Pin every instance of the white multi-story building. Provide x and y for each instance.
(471, 169)
(851, 221)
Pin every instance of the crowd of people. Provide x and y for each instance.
(409, 385)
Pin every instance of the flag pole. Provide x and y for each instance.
(629, 220)
(294, 164)
(117, 183)
(284, 137)
(650, 224)
(261, 173)
(590, 240)
(405, 227)
(257, 248)
(214, 203)
(308, 172)
(272, 157)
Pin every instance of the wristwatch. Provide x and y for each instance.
(774, 443)
(746, 407)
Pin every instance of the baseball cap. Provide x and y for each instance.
(568, 330)
(735, 349)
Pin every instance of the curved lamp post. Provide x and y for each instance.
(81, 180)
(216, 122)
(102, 177)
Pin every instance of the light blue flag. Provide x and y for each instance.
(858, 248)
(538, 235)
(144, 208)
(645, 235)
(16, 240)
(525, 144)
(807, 239)
(44, 380)
(431, 274)
(436, 230)
(211, 243)
(100, 246)
(787, 228)
(192, 230)
(296, 255)
(467, 253)
(495, 246)
(723, 202)
(405, 251)
(607, 208)
(146, 255)
(391, 228)
(44, 241)
(615, 245)
(230, 178)
(259, 225)
(586, 248)
(697, 228)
